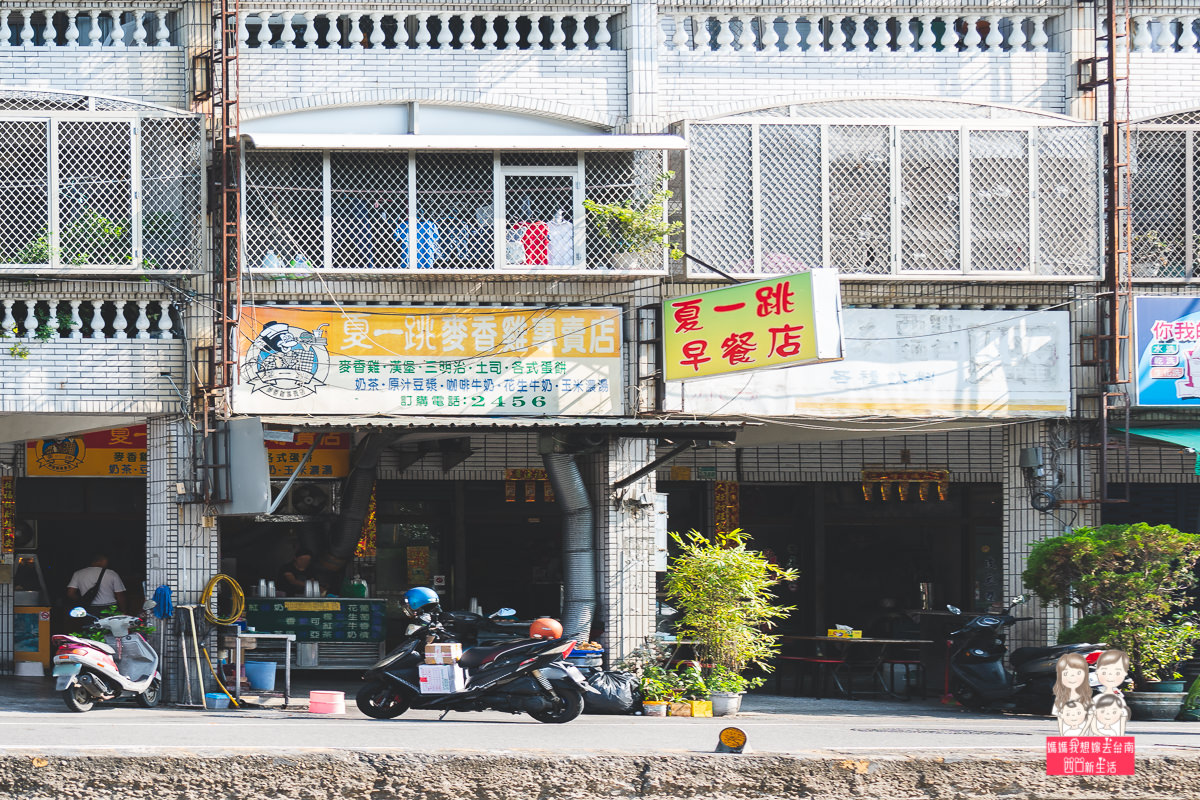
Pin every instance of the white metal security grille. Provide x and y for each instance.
(92, 187)
(1166, 233)
(373, 211)
(774, 195)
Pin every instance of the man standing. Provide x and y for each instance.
(97, 587)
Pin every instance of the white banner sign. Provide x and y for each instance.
(910, 363)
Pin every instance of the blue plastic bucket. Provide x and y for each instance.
(261, 675)
(215, 700)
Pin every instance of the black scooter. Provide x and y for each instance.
(527, 676)
(472, 629)
(978, 678)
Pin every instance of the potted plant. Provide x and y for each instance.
(726, 689)
(659, 688)
(1130, 581)
(638, 227)
(695, 692)
(1148, 255)
(724, 592)
(1191, 703)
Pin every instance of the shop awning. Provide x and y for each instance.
(633, 426)
(417, 141)
(1184, 437)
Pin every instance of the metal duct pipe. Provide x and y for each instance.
(356, 496)
(578, 552)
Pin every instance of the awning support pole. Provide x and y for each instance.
(670, 455)
(296, 473)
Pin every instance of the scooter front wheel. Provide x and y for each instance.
(570, 707)
(78, 699)
(150, 697)
(380, 701)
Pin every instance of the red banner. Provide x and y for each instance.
(1089, 755)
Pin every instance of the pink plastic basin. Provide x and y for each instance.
(327, 702)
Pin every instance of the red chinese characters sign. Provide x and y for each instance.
(1089, 755)
(792, 319)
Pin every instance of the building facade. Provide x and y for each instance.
(412, 188)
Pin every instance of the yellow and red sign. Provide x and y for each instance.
(792, 319)
(121, 453)
(448, 360)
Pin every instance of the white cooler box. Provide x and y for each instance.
(441, 678)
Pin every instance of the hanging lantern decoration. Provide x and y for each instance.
(926, 480)
(8, 515)
(366, 542)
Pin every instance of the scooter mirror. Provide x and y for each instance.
(504, 612)
(954, 609)
(149, 605)
(78, 611)
(1021, 598)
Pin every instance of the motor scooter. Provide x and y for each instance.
(979, 679)
(123, 665)
(528, 676)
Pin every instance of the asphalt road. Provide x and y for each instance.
(32, 717)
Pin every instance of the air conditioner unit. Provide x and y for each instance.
(25, 537)
(309, 498)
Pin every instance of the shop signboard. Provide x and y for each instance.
(1167, 351)
(429, 360)
(121, 453)
(910, 363)
(780, 322)
(323, 619)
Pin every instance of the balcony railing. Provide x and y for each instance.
(433, 29)
(1166, 33)
(117, 27)
(730, 30)
(45, 319)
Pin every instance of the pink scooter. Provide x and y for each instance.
(124, 664)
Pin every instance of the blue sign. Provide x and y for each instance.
(1167, 347)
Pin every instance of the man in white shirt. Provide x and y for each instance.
(110, 590)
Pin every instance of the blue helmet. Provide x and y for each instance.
(420, 598)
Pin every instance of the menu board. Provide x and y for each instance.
(318, 619)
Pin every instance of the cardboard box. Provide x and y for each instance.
(843, 634)
(441, 678)
(443, 653)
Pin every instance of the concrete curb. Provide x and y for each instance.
(383, 775)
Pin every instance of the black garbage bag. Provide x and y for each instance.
(617, 693)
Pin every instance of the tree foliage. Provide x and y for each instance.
(724, 590)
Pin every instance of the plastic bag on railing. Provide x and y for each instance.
(616, 693)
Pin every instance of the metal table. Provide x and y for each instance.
(287, 638)
(845, 642)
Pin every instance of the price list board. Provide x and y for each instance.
(319, 619)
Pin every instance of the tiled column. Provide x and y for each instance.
(641, 58)
(180, 552)
(624, 544)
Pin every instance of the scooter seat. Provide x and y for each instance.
(1023, 654)
(478, 656)
(90, 643)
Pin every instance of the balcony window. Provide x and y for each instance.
(388, 211)
(772, 196)
(1165, 163)
(113, 194)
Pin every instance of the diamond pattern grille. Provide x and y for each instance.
(455, 217)
(621, 178)
(172, 173)
(999, 169)
(1158, 248)
(929, 201)
(860, 199)
(1068, 183)
(369, 210)
(284, 212)
(95, 205)
(790, 175)
(24, 192)
(538, 227)
(720, 199)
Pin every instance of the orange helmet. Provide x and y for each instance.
(546, 628)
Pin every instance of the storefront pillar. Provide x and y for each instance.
(625, 544)
(180, 552)
(1024, 525)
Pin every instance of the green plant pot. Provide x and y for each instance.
(1162, 686)
(1155, 706)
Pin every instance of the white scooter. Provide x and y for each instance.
(123, 664)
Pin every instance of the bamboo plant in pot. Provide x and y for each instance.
(724, 591)
(638, 227)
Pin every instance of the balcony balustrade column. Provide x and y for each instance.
(377, 35)
(94, 28)
(27, 27)
(72, 33)
(816, 35)
(679, 34)
(356, 33)
(8, 326)
(1039, 39)
(971, 40)
(119, 321)
(747, 40)
(143, 321)
(791, 36)
(30, 323)
(557, 35)
(76, 323)
(49, 35)
(1166, 34)
(904, 34)
(1016, 37)
(139, 27)
(724, 34)
(579, 39)
(1187, 36)
(837, 36)
(97, 323)
(162, 34)
(603, 34)
(770, 36)
(118, 33)
(883, 37)
(535, 32)
(927, 39)
(164, 320)
(994, 37)
(288, 33)
(1142, 40)
(5, 30)
(512, 37)
(950, 34)
(700, 34)
(310, 30)
(860, 39)
(489, 31)
(243, 31)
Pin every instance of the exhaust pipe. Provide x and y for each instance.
(579, 555)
